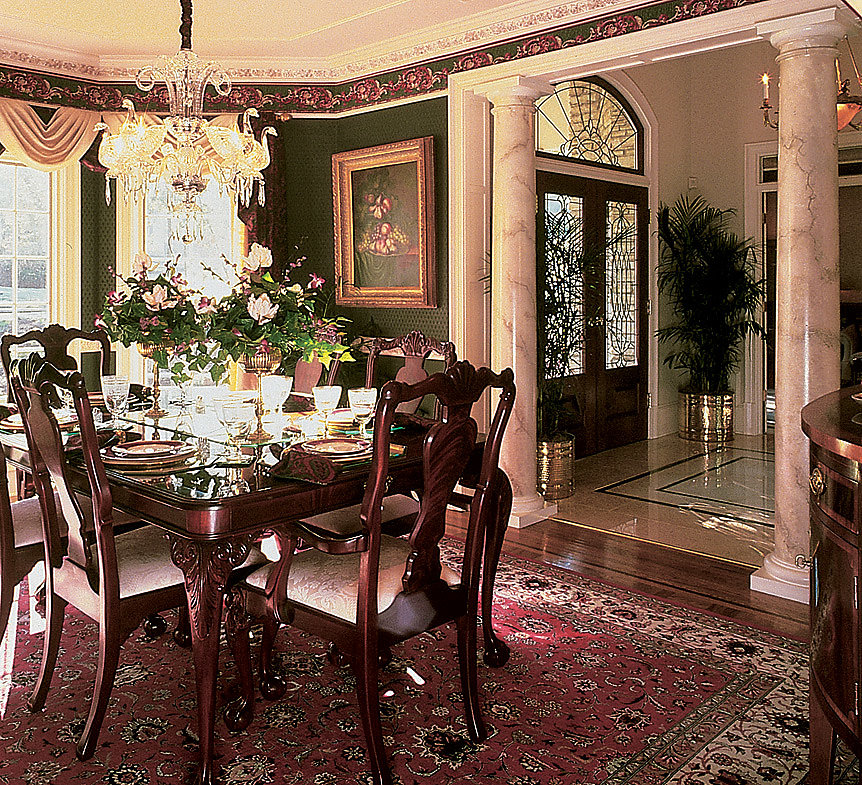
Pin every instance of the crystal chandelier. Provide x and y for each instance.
(184, 150)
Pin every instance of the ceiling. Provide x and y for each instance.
(327, 38)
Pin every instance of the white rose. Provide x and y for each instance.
(261, 309)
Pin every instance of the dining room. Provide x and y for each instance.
(264, 251)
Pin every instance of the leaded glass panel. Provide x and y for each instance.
(621, 286)
(584, 121)
(564, 286)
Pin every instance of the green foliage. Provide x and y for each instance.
(262, 313)
(195, 333)
(709, 275)
(160, 311)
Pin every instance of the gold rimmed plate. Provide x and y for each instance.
(343, 447)
(147, 453)
(13, 423)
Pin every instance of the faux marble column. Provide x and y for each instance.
(513, 281)
(807, 283)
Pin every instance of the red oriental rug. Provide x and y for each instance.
(603, 687)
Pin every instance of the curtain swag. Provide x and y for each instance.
(66, 137)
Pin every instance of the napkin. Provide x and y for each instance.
(298, 464)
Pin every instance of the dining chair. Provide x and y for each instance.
(415, 348)
(20, 543)
(55, 340)
(307, 373)
(365, 590)
(117, 579)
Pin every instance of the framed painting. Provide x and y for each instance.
(383, 203)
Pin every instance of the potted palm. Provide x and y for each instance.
(710, 278)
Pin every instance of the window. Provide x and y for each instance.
(40, 249)
(202, 262)
(588, 121)
(25, 248)
(150, 226)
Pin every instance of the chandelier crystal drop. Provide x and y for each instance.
(184, 149)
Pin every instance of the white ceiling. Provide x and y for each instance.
(326, 38)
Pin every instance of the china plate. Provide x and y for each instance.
(857, 396)
(341, 417)
(148, 451)
(13, 423)
(338, 448)
(185, 462)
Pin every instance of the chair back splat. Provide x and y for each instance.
(116, 575)
(415, 347)
(55, 340)
(370, 590)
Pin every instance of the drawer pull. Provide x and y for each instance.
(817, 481)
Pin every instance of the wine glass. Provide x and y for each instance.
(362, 401)
(275, 391)
(235, 417)
(326, 400)
(115, 390)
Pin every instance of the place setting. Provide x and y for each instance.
(151, 456)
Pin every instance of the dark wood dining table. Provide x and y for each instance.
(213, 513)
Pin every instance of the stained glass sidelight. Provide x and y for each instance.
(564, 286)
(582, 120)
(621, 286)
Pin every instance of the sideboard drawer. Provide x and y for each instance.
(834, 493)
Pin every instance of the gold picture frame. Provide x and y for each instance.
(383, 205)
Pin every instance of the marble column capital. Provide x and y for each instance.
(515, 91)
(814, 30)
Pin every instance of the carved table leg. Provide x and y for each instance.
(206, 567)
(239, 711)
(496, 653)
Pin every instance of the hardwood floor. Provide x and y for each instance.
(679, 577)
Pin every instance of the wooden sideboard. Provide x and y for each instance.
(836, 538)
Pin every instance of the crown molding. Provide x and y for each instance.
(478, 30)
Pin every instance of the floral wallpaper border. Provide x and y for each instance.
(400, 83)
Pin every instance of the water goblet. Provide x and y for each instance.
(362, 401)
(235, 417)
(326, 399)
(275, 391)
(115, 390)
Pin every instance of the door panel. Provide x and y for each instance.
(592, 314)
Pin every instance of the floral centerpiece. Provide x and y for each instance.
(161, 315)
(263, 319)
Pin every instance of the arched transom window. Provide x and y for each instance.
(588, 121)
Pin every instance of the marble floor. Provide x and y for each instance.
(717, 501)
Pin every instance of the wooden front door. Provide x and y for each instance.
(592, 264)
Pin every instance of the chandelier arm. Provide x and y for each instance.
(186, 24)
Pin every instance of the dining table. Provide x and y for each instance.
(213, 512)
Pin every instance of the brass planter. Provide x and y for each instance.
(556, 460)
(706, 417)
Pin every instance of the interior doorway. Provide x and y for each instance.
(592, 249)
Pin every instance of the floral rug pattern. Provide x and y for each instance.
(603, 686)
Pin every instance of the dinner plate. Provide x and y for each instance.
(341, 417)
(185, 462)
(151, 452)
(338, 447)
(13, 422)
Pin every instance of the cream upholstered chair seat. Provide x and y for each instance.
(330, 583)
(144, 561)
(346, 519)
(27, 518)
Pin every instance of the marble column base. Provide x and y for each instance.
(781, 579)
(527, 510)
